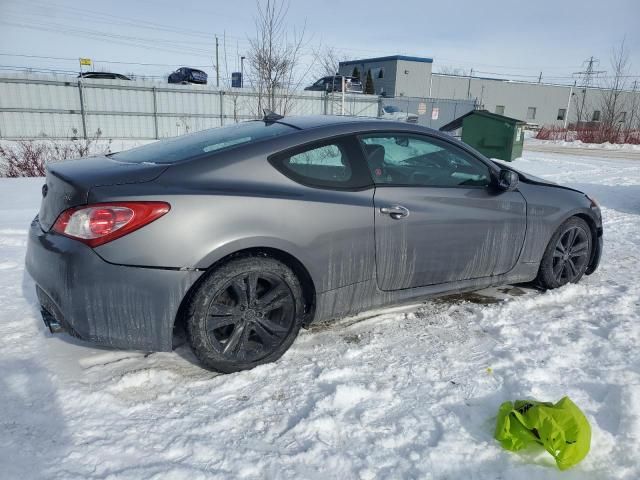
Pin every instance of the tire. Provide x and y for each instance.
(567, 256)
(245, 313)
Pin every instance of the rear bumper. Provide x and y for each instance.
(113, 305)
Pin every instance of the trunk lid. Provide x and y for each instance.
(68, 183)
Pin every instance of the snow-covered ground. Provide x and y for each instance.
(581, 145)
(410, 393)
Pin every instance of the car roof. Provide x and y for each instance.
(314, 121)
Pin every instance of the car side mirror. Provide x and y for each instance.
(507, 180)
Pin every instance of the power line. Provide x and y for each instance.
(75, 72)
(99, 61)
(150, 45)
(105, 18)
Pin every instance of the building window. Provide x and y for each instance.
(596, 116)
(500, 109)
(531, 113)
(623, 117)
(562, 112)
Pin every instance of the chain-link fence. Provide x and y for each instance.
(430, 112)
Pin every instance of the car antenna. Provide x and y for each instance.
(270, 117)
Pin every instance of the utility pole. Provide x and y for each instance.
(217, 65)
(566, 114)
(540, 78)
(342, 101)
(469, 85)
(242, 71)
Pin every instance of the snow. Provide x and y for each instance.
(582, 145)
(409, 392)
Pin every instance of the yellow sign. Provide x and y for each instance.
(85, 61)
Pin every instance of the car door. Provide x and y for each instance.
(436, 218)
(331, 212)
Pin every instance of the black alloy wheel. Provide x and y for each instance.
(571, 255)
(250, 316)
(568, 254)
(245, 313)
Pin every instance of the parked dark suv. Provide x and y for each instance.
(334, 84)
(186, 75)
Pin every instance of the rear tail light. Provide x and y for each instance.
(100, 223)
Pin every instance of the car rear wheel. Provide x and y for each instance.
(567, 255)
(245, 313)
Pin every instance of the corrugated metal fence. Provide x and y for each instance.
(432, 112)
(58, 106)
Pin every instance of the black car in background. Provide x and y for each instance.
(186, 75)
(333, 83)
(104, 75)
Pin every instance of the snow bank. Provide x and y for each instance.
(403, 393)
(580, 144)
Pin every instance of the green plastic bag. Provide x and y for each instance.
(561, 429)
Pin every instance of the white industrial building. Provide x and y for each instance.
(395, 76)
(535, 103)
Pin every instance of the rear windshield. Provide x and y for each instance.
(207, 141)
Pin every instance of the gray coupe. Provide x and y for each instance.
(243, 234)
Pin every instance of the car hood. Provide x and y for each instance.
(526, 177)
(532, 179)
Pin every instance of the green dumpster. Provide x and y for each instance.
(493, 135)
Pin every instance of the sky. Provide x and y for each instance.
(507, 39)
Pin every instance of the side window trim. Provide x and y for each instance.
(359, 136)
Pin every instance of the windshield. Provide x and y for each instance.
(216, 139)
(390, 109)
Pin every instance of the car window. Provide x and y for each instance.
(399, 159)
(329, 164)
(207, 141)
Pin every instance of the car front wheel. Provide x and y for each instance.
(567, 256)
(245, 313)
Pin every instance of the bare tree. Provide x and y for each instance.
(448, 70)
(327, 61)
(611, 104)
(631, 119)
(274, 57)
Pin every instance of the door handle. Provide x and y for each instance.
(395, 211)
